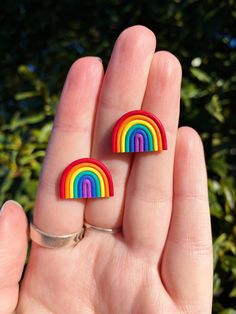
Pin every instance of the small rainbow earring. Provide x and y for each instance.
(86, 178)
(138, 131)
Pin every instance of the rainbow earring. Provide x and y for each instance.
(138, 131)
(86, 178)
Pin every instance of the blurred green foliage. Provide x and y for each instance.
(40, 39)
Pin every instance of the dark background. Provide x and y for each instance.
(40, 39)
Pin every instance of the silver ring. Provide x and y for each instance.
(52, 241)
(108, 230)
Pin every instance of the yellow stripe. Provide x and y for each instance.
(134, 122)
(86, 169)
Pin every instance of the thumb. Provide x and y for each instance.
(13, 250)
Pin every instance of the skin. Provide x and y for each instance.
(161, 262)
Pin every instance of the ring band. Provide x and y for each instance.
(108, 230)
(53, 241)
(47, 240)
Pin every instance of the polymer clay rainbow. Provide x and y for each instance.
(86, 178)
(138, 131)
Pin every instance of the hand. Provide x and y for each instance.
(162, 260)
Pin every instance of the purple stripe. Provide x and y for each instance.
(87, 189)
(139, 143)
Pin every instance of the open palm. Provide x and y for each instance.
(161, 262)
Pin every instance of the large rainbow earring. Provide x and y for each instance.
(138, 131)
(86, 178)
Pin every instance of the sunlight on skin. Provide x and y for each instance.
(162, 261)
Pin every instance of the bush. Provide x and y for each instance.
(40, 40)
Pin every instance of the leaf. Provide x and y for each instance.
(200, 75)
(230, 197)
(215, 109)
(26, 95)
(18, 121)
(233, 293)
(216, 284)
(218, 166)
(228, 311)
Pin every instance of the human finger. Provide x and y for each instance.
(187, 265)
(149, 193)
(123, 90)
(12, 253)
(70, 140)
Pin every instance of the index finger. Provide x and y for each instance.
(70, 140)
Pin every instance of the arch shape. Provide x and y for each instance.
(132, 140)
(136, 116)
(139, 123)
(139, 128)
(86, 166)
(96, 188)
(81, 170)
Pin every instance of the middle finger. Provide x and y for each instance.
(123, 90)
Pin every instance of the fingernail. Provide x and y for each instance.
(2, 209)
(99, 59)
